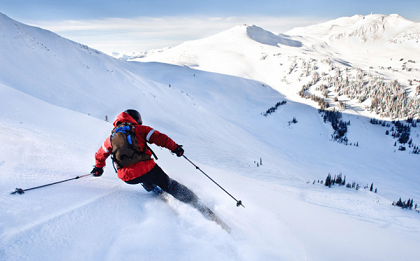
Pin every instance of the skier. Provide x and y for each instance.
(144, 170)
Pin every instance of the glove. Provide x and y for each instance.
(97, 172)
(179, 151)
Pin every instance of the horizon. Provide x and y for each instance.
(138, 26)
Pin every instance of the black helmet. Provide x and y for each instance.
(135, 115)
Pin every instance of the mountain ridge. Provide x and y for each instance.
(359, 26)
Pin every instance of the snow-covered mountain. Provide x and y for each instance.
(56, 95)
(382, 29)
(388, 38)
(339, 50)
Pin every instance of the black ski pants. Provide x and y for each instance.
(157, 177)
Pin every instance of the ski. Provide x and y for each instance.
(207, 212)
(210, 215)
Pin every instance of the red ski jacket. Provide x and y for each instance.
(143, 134)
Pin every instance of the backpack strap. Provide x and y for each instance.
(147, 146)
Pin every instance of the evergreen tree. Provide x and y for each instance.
(339, 179)
(328, 180)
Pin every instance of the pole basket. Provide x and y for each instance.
(18, 191)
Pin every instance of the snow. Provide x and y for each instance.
(55, 95)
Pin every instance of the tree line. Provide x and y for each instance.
(388, 98)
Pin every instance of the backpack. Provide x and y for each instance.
(125, 148)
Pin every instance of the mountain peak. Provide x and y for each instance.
(265, 37)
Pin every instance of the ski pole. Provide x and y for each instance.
(21, 191)
(238, 202)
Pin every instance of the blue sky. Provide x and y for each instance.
(139, 25)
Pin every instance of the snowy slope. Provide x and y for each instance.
(50, 85)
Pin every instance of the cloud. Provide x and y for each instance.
(145, 33)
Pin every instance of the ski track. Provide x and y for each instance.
(353, 203)
(9, 233)
(61, 228)
(125, 224)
